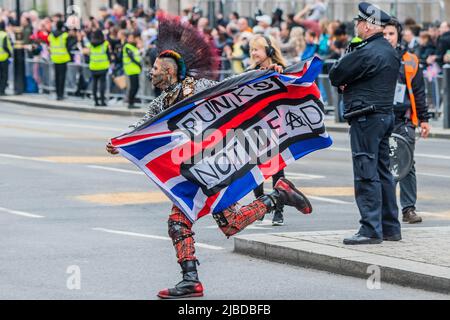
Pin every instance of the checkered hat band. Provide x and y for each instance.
(370, 19)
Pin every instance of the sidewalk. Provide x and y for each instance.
(421, 260)
(86, 105)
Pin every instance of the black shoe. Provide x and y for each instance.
(189, 287)
(278, 218)
(287, 194)
(132, 106)
(60, 98)
(395, 237)
(410, 216)
(360, 239)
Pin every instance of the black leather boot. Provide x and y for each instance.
(103, 102)
(189, 287)
(285, 193)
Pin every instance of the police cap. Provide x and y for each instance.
(372, 14)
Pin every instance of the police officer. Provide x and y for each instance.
(410, 111)
(5, 53)
(59, 54)
(99, 62)
(132, 67)
(367, 76)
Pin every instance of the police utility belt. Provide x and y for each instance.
(349, 115)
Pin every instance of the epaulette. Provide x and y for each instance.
(361, 44)
(356, 45)
(188, 86)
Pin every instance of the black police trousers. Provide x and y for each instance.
(60, 79)
(134, 88)
(99, 77)
(374, 183)
(3, 76)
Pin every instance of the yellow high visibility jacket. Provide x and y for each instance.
(58, 48)
(3, 53)
(129, 66)
(98, 57)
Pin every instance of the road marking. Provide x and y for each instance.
(256, 227)
(432, 175)
(420, 155)
(59, 134)
(432, 156)
(265, 222)
(337, 149)
(142, 235)
(67, 159)
(117, 170)
(441, 215)
(60, 124)
(329, 200)
(329, 191)
(124, 198)
(92, 159)
(13, 156)
(302, 176)
(250, 227)
(21, 213)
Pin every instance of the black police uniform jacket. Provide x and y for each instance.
(370, 74)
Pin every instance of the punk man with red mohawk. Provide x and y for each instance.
(184, 63)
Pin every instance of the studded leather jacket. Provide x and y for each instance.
(172, 95)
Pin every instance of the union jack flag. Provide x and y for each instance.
(209, 150)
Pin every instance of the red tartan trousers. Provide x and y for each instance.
(238, 219)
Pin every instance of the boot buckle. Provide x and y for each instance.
(220, 219)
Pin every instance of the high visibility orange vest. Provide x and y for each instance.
(411, 66)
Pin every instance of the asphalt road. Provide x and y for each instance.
(69, 212)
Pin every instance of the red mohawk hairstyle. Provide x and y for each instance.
(199, 54)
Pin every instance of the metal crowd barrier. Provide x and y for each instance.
(435, 95)
(446, 104)
(10, 73)
(78, 81)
